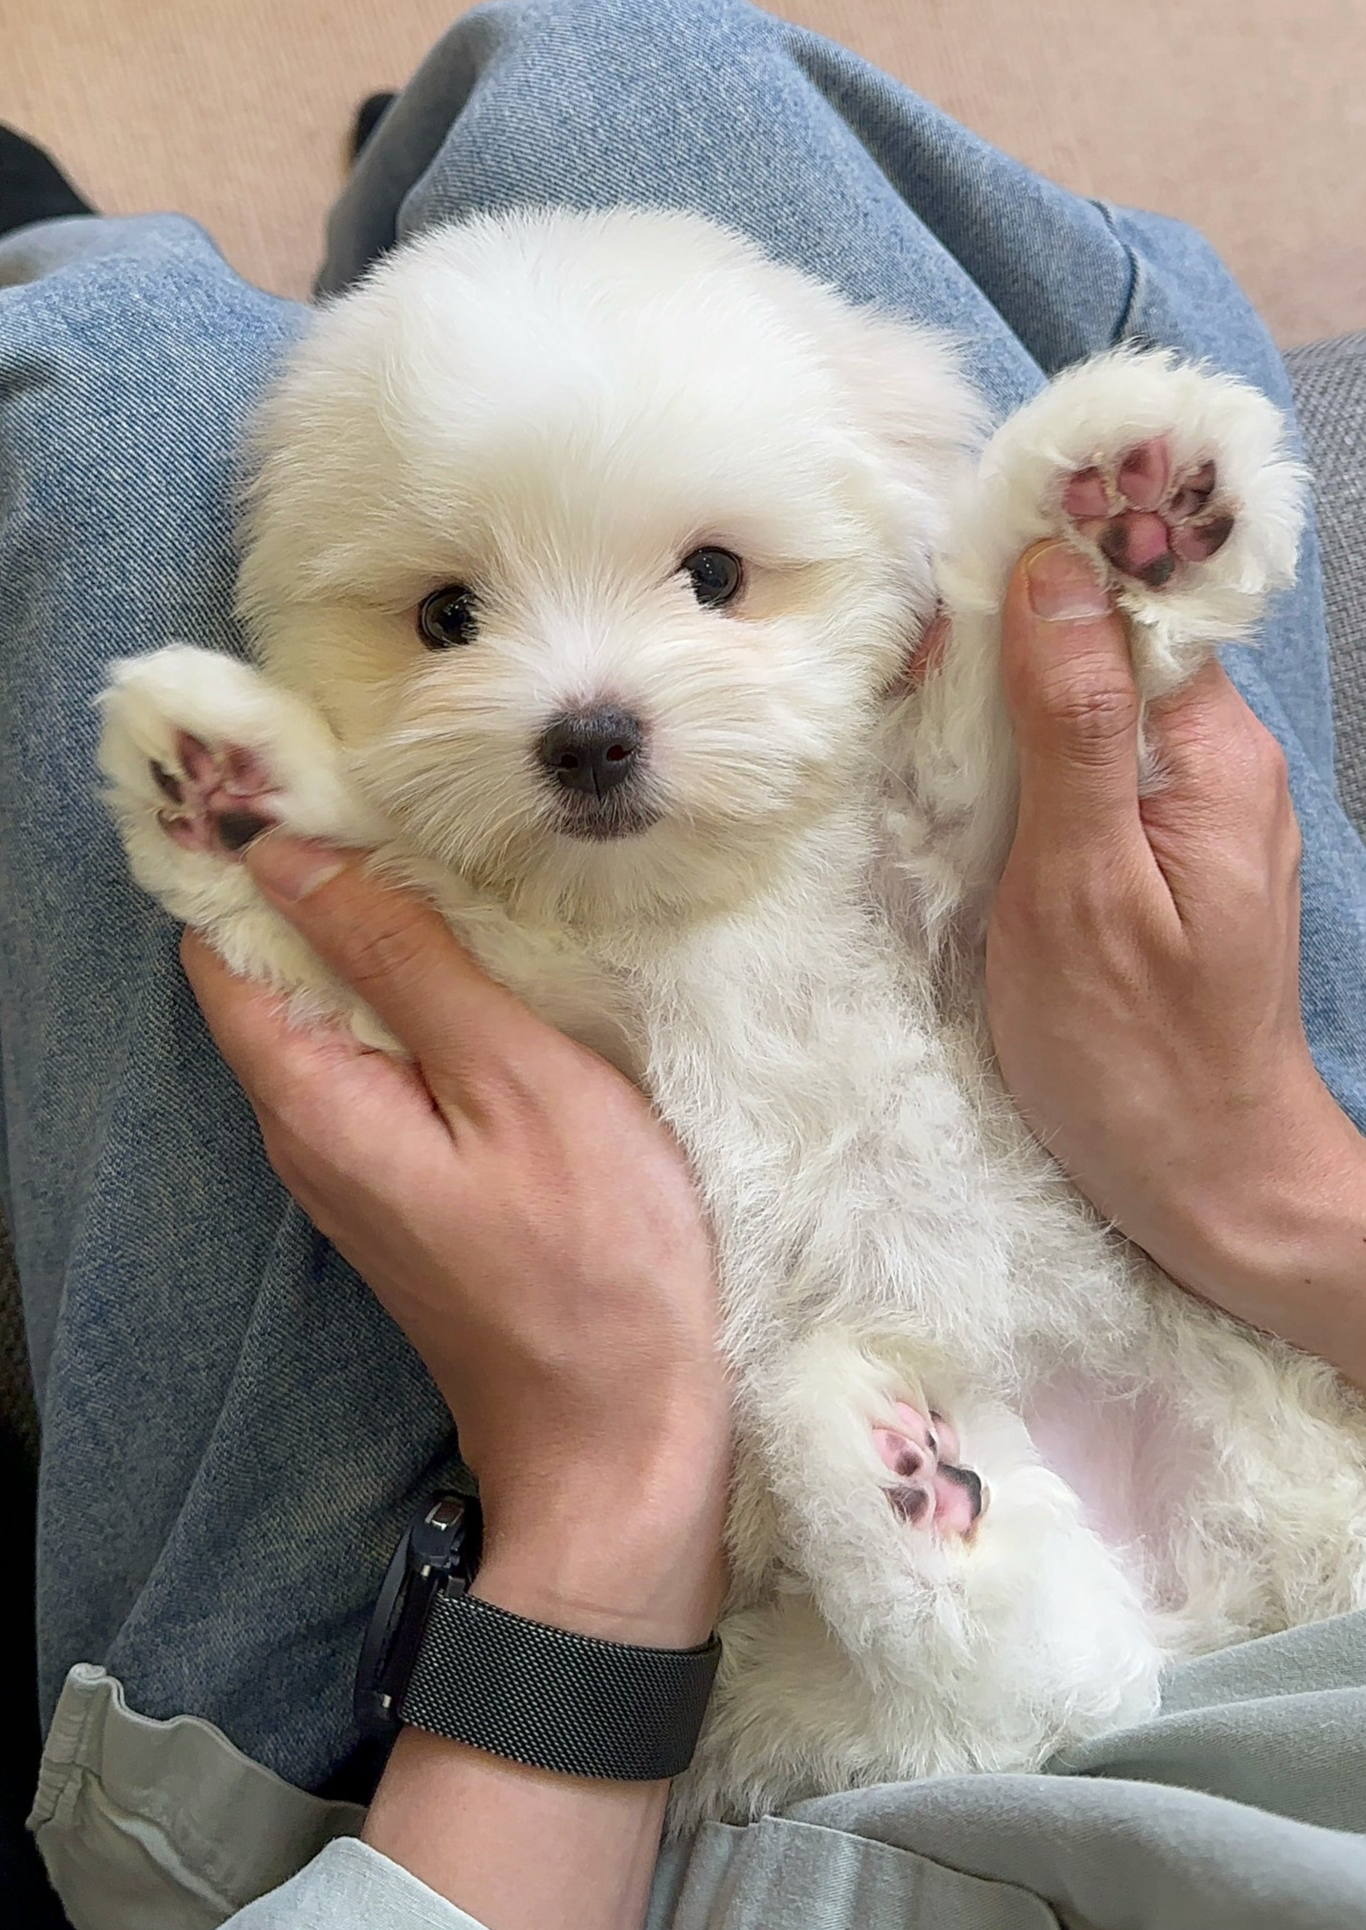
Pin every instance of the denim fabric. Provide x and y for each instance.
(233, 1432)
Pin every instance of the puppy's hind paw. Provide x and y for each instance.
(928, 1489)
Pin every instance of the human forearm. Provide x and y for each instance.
(517, 1848)
(1282, 1244)
(560, 1286)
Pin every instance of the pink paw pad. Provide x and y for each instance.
(1146, 516)
(217, 800)
(931, 1490)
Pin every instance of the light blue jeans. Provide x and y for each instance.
(233, 1432)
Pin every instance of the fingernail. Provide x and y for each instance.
(1063, 585)
(292, 868)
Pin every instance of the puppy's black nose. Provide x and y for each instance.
(594, 751)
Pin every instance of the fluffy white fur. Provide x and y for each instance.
(556, 409)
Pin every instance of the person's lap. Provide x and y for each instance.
(233, 1433)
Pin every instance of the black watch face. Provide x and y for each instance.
(440, 1548)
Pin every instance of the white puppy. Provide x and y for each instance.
(582, 563)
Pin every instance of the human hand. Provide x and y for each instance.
(532, 1227)
(1143, 973)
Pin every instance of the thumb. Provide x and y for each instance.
(398, 953)
(1070, 691)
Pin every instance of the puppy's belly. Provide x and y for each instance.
(1128, 1458)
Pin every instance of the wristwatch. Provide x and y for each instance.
(448, 1661)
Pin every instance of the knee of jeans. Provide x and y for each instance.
(588, 102)
(659, 54)
(624, 24)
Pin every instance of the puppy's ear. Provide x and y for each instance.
(917, 422)
(910, 398)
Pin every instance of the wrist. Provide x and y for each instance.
(625, 1543)
(641, 1575)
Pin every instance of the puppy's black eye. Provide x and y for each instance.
(447, 617)
(716, 576)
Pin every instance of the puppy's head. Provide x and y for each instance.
(598, 539)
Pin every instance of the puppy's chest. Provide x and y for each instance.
(836, 1151)
(833, 1121)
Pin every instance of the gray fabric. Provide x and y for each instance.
(1329, 380)
(149, 1825)
(780, 1874)
(352, 1887)
(1241, 1806)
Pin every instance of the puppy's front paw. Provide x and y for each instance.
(200, 753)
(218, 797)
(1178, 481)
(1146, 516)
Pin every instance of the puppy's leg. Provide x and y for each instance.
(904, 1620)
(1176, 483)
(199, 753)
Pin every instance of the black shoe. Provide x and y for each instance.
(367, 119)
(32, 186)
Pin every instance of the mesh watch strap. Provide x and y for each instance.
(554, 1699)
